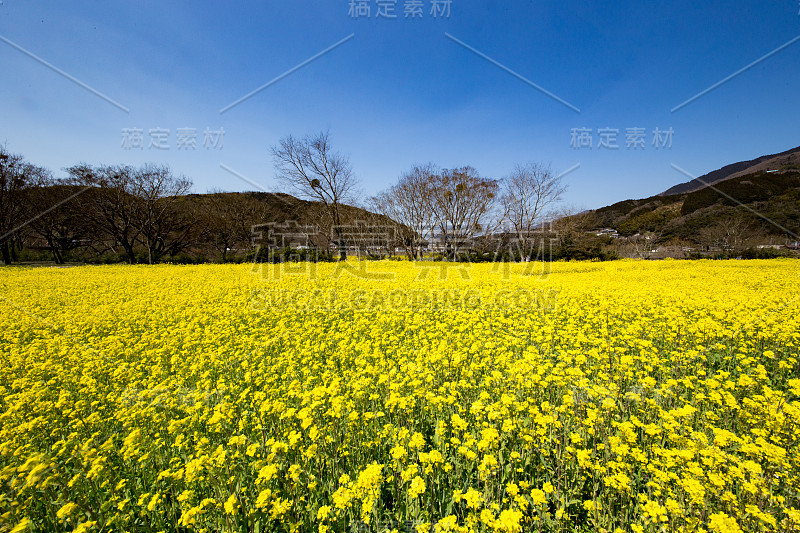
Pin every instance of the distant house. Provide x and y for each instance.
(608, 232)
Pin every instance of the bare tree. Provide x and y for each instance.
(641, 245)
(229, 219)
(111, 206)
(488, 236)
(732, 233)
(132, 205)
(568, 228)
(410, 204)
(163, 226)
(526, 194)
(16, 176)
(462, 199)
(311, 169)
(53, 208)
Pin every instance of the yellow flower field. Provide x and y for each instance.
(623, 396)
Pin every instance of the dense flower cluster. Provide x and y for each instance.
(646, 396)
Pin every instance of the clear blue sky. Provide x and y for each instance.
(400, 91)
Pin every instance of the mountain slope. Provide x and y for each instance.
(769, 201)
(783, 160)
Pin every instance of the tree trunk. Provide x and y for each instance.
(129, 252)
(342, 247)
(54, 249)
(6, 253)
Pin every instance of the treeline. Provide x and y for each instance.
(457, 212)
(452, 214)
(148, 214)
(121, 213)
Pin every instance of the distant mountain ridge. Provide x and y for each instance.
(766, 162)
(763, 194)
